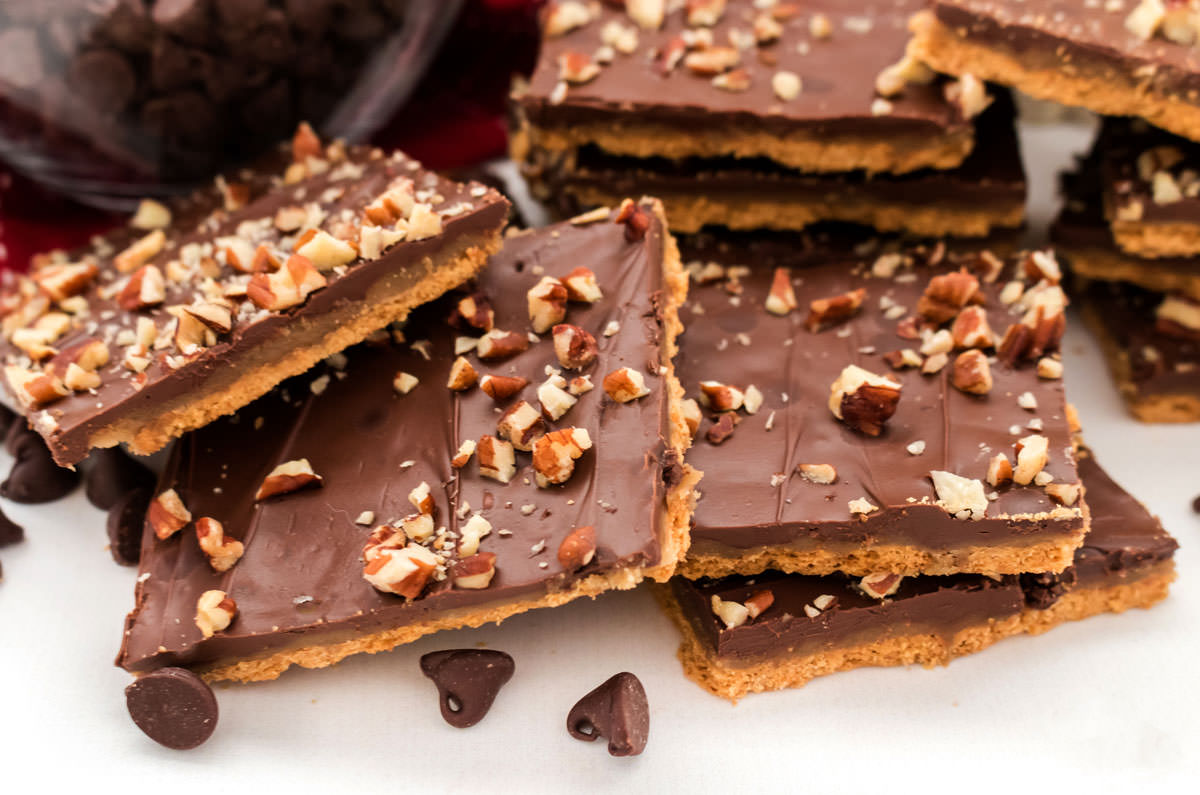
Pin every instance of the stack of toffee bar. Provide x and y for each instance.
(749, 115)
(388, 418)
(891, 469)
(1130, 224)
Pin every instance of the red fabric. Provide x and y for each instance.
(455, 118)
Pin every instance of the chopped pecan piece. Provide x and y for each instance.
(971, 329)
(521, 424)
(555, 453)
(404, 572)
(288, 477)
(782, 298)
(880, 585)
(474, 572)
(574, 347)
(498, 344)
(215, 611)
(625, 384)
(581, 286)
(496, 459)
(947, 294)
(145, 288)
(462, 375)
(1032, 454)
(577, 548)
(972, 373)
(863, 400)
(825, 312)
(502, 387)
(722, 427)
(222, 552)
(167, 514)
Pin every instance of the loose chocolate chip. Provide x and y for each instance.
(34, 476)
(1196, 505)
(10, 531)
(126, 518)
(617, 710)
(112, 475)
(7, 416)
(173, 707)
(467, 681)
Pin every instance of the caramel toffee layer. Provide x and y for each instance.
(881, 494)
(300, 582)
(1124, 543)
(654, 83)
(1091, 37)
(992, 178)
(203, 260)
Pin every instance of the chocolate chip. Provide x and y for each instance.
(15, 436)
(467, 681)
(7, 417)
(1196, 505)
(112, 475)
(34, 476)
(126, 518)
(173, 707)
(617, 710)
(10, 531)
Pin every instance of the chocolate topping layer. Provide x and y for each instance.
(992, 175)
(837, 73)
(763, 501)
(1124, 543)
(326, 191)
(301, 580)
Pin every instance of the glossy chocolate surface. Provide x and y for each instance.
(838, 75)
(762, 500)
(199, 226)
(301, 580)
(1123, 543)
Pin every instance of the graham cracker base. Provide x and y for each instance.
(1045, 75)
(1052, 555)
(1151, 241)
(801, 149)
(929, 650)
(1151, 408)
(1109, 266)
(296, 351)
(689, 212)
(673, 541)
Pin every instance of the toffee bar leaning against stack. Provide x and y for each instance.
(747, 115)
(199, 308)
(1133, 58)
(751, 634)
(900, 411)
(518, 445)
(1131, 219)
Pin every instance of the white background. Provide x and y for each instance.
(1094, 705)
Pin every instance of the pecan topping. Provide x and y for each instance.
(625, 385)
(521, 425)
(215, 611)
(167, 514)
(972, 373)
(782, 298)
(574, 347)
(496, 459)
(578, 548)
(863, 400)
(825, 312)
(288, 477)
(474, 572)
(555, 453)
(502, 387)
(547, 304)
(222, 552)
(947, 294)
(498, 344)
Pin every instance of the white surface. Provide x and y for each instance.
(1096, 704)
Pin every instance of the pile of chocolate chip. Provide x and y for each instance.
(171, 88)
